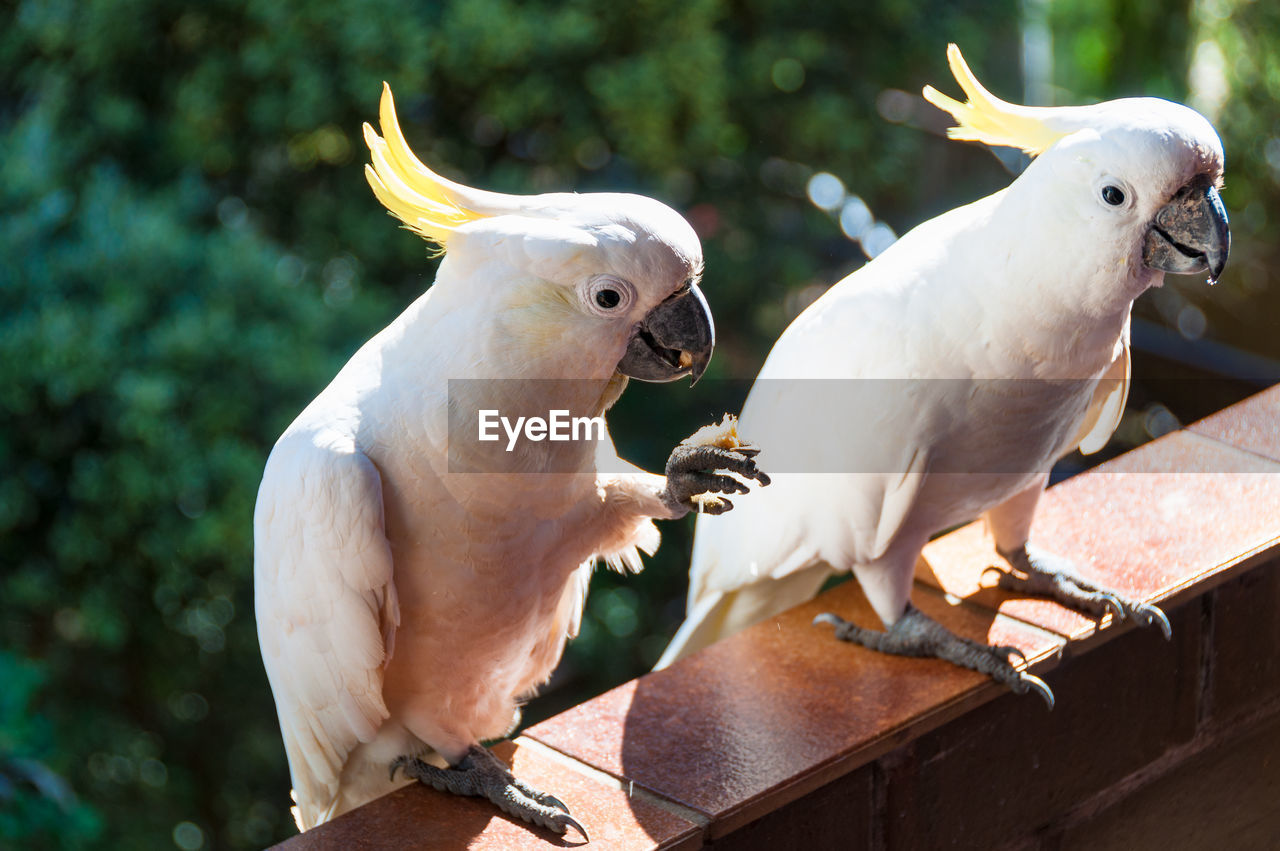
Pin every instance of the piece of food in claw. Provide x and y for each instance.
(701, 501)
(723, 435)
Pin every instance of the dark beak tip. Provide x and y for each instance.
(702, 358)
(681, 325)
(1216, 270)
(1190, 235)
(1218, 260)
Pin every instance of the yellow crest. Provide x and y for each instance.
(427, 203)
(987, 119)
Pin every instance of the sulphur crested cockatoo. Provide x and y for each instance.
(414, 582)
(943, 379)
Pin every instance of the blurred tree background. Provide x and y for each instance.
(188, 252)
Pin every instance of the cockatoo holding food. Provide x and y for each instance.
(415, 581)
(954, 369)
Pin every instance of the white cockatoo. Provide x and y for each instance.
(943, 379)
(414, 582)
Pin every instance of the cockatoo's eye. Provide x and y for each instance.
(1113, 195)
(605, 295)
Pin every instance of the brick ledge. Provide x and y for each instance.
(770, 737)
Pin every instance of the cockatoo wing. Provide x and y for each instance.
(326, 607)
(830, 433)
(1109, 397)
(749, 569)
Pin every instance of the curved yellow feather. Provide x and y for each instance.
(413, 193)
(987, 119)
(421, 225)
(408, 196)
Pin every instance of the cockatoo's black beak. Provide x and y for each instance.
(675, 339)
(1190, 234)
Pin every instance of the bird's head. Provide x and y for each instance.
(1138, 174)
(605, 282)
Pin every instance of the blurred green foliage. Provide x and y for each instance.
(188, 252)
(35, 802)
(1237, 52)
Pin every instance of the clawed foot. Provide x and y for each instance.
(693, 480)
(1044, 574)
(916, 634)
(482, 774)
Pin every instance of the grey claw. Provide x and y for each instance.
(1114, 606)
(1154, 615)
(555, 802)
(397, 764)
(569, 821)
(828, 618)
(1013, 651)
(1030, 682)
(715, 509)
(708, 459)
